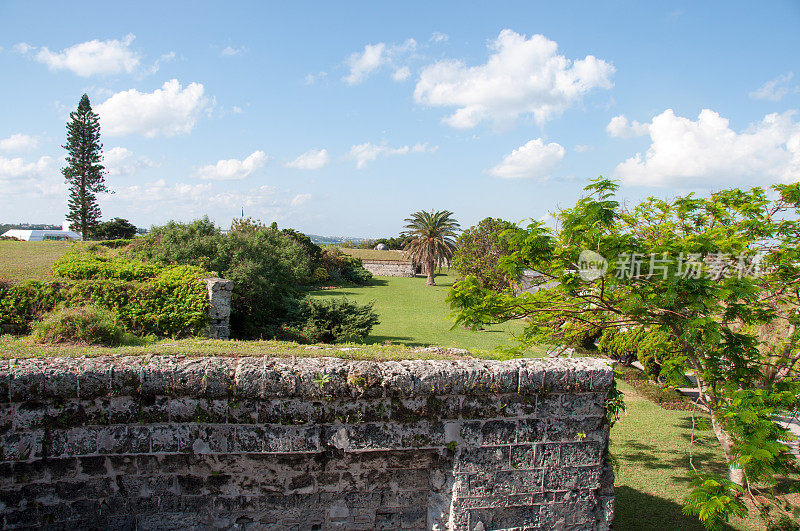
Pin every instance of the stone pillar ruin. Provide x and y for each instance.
(219, 312)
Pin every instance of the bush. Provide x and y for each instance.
(480, 250)
(20, 304)
(321, 275)
(82, 266)
(651, 347)
(83, 324)
(342, 267)
(331, 321)
(266, 265)
(116, 229)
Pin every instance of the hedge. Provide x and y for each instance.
(168, 301)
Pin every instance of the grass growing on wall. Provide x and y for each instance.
(412, 313)
(371, 254)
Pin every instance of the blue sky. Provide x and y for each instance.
(343, 118)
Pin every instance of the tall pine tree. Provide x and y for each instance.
(84, 173)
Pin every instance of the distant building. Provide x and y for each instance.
(41, 235)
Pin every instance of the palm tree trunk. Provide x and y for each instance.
(430, 281)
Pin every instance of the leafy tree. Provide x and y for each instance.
(431, 240)
(688, 269)
(479, 251)
(84, 172)
(116, 229)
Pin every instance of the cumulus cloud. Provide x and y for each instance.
(401, 74)
(299, 199)
(23, 48)
(522, 76)
(707, 152)
(17, 167)
(91, 57)
(168, 111)
(583, 148)
(533, 160)
(374, 56)
(619, 127)
(438, 36)
(363, 63)
(312, 159)
(18, 142)
(775, 89)
(368, 152)
(122, 162)
(233, 169)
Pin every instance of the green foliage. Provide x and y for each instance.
(168, 301)
(20, 304)
(479, 251)
(266, 265)
(85, 265)
(713, 500)
(84, 172)
(342, 267)
(331, 321)
(321, 274)
(81, 324)
(116, 229)
(652, 347)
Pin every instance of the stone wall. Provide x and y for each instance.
(219, 312)
(389, 268)
(176, 442)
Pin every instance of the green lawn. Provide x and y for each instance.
(371, 254)
(414, 314)
(30, 260)
(651, 446)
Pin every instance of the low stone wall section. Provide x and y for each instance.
(389, 268)
(264, 443)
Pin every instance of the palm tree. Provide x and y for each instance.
(430, 239)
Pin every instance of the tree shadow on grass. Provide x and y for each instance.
(635, 510)
(405, 341)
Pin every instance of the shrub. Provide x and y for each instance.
(342, 267)
(116, 229)
(321, 274)
(20, 304)
(331, 321)
(650, 346)
(82, 324)
(82, 266)
(480, 250)
(266, 265)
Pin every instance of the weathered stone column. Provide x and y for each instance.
(219, 313)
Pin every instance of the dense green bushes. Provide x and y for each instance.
(268, 266)
(83, 324)
(651, 347)
(330, 321)
(343, 267)
(168, 301)
(479, 253)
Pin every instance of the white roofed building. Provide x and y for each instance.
(42, 235)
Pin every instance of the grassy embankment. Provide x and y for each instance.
(21, 261)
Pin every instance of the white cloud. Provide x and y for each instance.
(368, 152)
(401, 74)
(374, 56)
(165, 58)
(362, 64)
(168, 111)
(230, 51)
(237, 110)
(583, 148)
(17, 167)
(438, 36)
(299, 199)
(18, 142)
(23, 48)
(707, 152)
(775, 89)
(522, 76)
(310, 79)
(619, 127)
(534, 160)
(233, 169)
(312, 159)
(92, 57)
(122, 162)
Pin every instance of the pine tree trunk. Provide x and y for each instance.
(735, 474)
(430, 281)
